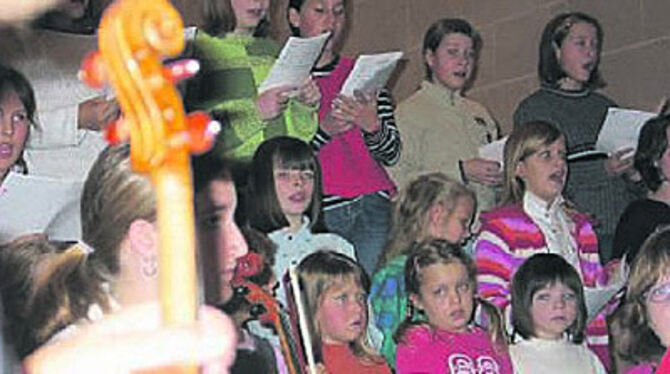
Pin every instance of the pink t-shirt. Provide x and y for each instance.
(426, 350)
(640, 369)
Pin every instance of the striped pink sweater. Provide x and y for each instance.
(509, 236)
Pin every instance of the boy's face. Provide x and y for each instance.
(220, 241)
(453, 61)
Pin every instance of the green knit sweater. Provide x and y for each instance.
(232, 69)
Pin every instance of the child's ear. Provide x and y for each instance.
(416, 301)
(435, 213)
(430, 58)
(294, 17)
(435, 219)
(520, 170)
(557, 51)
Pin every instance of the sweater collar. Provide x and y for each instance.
(442, 93)
(567, 93)
(537, 208)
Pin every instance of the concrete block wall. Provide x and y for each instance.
(635, 58)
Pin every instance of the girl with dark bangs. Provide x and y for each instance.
(284, 201)
(549, 319)
(568, 69)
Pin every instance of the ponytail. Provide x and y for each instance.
(44, 290)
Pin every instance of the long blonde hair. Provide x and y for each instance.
(523, 142)
(317, 273)
(410, 220)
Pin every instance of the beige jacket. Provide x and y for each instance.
(439, 128)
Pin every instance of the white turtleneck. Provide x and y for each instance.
(560, 356)
(555, 225)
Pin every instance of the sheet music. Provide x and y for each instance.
(597, 298)
(295, 62)
(370, 73)
(621, 129)
(494, 151)
(34, 204)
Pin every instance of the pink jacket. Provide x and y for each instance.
(348, 169)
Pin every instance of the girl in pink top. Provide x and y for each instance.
(440, 280)
(335, 296)
(356, 140)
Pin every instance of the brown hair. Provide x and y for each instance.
(549, 68)
(113, 197)
(438, 251)
(540, 271)
(44, 290)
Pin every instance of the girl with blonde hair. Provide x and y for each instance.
(335, 297)
(431, 206)
(535, 218)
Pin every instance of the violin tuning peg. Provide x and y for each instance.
(92, 70)
(182, 69)
(202, 131)
(116, 132)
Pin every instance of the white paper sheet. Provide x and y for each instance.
(621, 129)
(597, 298)
(370, 73)
(295, 62)
(33, 204)
(494, 151)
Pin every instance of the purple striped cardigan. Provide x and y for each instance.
(508, 236)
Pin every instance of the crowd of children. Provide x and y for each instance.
(544, 263)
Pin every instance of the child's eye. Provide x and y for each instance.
(463, 287)
(362, 298)
(19, 117)
(452, 52)
(569, 296)
(338, 11)
(439, 291)
(307, 175)
(211, 222)
(543, 297)
(282, 174)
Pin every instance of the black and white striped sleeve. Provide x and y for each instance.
(319, 140)
(384, 144)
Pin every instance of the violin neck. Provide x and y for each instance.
(176, 225)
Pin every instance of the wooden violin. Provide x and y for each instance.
(134, 38)
(268, 310)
